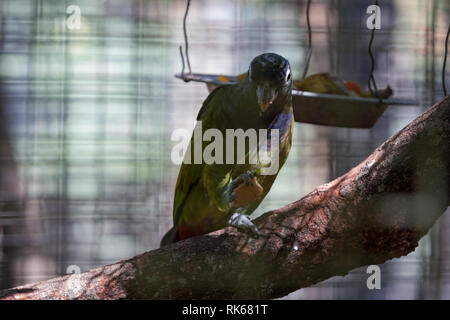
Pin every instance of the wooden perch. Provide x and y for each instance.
(377, 211)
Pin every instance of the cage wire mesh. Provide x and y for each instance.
(87, 116)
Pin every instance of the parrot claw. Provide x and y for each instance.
(231, 197)
(244, 224)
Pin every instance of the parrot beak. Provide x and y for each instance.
(266, 95)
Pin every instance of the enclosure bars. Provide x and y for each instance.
(186, 46)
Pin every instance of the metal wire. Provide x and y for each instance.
(444, 64)
(186, 45)
(182, 63)
(371, 83)
(308, 22)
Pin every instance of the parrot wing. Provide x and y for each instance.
(216, 95)
(188, 177)
(191, 174)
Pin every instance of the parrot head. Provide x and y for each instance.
(271, 77)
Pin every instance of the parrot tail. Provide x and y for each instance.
(170, 237)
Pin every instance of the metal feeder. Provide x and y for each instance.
(319, 108)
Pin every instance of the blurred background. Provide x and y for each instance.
(86, 117)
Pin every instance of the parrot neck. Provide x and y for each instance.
(282, 104)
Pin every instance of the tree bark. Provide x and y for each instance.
(375, 212)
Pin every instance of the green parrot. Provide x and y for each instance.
(212, 196)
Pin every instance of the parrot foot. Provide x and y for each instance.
(244, 190)
(243, 223)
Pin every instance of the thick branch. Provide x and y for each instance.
(377, 211)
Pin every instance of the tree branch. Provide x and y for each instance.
(377, 211)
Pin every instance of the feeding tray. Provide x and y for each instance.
(319, 108)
